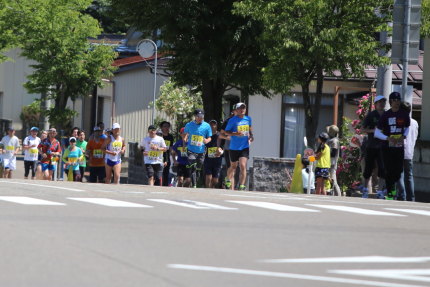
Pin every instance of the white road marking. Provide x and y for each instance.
(192, 204)
(273, 206)
(355, 210)
(413, 211)
(109, 202)
(357, 259)
(28, 200)
(43, 185)
(420, 275)
(287, 275)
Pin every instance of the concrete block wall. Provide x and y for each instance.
(270, 174)
(136, 172)
(422, 170)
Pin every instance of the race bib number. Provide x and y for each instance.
(196, 140)
(33, 151)
(97, 153)
(155, 155)
(243, 129)
(183, 151)
(73, 160)
(398, 143)
(212, 152)
(10, 148)
(116, 146)
(167, 143)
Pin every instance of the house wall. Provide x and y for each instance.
(13, 74)
(133, 95)
(266, 121)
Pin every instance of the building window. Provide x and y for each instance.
(293, 126)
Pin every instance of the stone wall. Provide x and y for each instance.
(136, 172)
(270, 174)
(422, 170)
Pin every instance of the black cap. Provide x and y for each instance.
(323, 136)
(199, 112)
(395, 96)
(152, 127)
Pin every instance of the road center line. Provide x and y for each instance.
(287, 275)
(355, 210)
(356, 259)
(109, 202)
(28, 200)
(43, 185)
(273, 206)
(412, 211)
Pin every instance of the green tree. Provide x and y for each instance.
(178, 103)
(306, 40)
(54, 33)
(212, 49)
(425, 18)
(103, 11)
(8, 38)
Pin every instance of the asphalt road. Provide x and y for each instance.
(73, 234)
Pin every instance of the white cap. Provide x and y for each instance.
(238, 105)
(378, 98)
(116, 126)
(72, 139)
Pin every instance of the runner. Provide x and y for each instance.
(239, 128)
(180, 156)
(39, 173)
(224, 143)
(392, 129)
(10, 150)
(64, 145)
(334, 146)
(168, 139)
(213, 159)
(96, 156)
(373, 152)
(31, 152)
(153, 147)
(50, 150)
(71, 157)
(113, 147)
(197, 134)
(82, 144)
(322, 171)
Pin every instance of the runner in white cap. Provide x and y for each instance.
(113, 147)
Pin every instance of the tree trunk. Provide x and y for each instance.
(212, 93)
(312, 111)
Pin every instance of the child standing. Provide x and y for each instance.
(306, 173)
(322, 171)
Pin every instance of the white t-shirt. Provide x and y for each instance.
(305, 178)
(10, 145)
(154, 156)
(411, 139)
(31, 153)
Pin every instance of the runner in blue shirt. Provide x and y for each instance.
(239, 128)
(197, 134)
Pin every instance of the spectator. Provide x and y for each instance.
(322, 171)
(392, 129)
(334, 146)
(406, 182)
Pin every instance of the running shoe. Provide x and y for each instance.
(390, 195)
(242, 187)
(364, 192)
(380, 194)
(227, 184)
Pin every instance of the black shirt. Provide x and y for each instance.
(371, 122)
(169, 140)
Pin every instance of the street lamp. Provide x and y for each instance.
(146, 48)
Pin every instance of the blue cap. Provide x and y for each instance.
(34, 129)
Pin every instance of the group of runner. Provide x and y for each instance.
(44, 155)
(200, 147)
